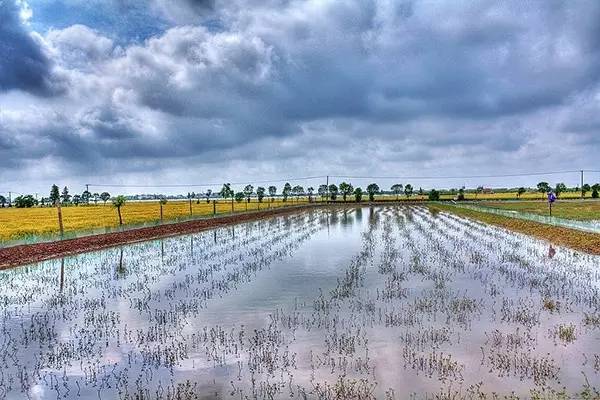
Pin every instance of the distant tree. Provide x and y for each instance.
(333, 191)
(346, 189)
(298, 191)
(596, 191)
(162, 201)
(408, 190)
(85, 197)
(239, 197)
(25, 201)
(322, 191)
(119, 202)
(272, 192)
(66, 197)
(584, 189)
(77, 199)
(358, 194)
(434, 195)
(248, 190)
(207, 195)
(560, 188)
(373, 189)
(226, 192)
(105, 196)
(397, 188)
(310, 192)
(520, 191)
(96, 196)
(260, 193)
(543, 187)
(54, 194)
(421, 192)
(287, 190)
(2, 201)
(461, 194)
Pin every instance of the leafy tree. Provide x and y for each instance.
(358, 194)
(2, 201)
(560, 188)
(322, 191)
(543, 187)
(397, 189)
(96, 196)
(408, 190)
(287, 189)
(434, 195)
(207, 195)
(226, 191)
(421, 192)
(596, 191)
(310, 192)
(66, 197)
(372, 189)
(333, 191)
(298, 191)
(26, 201)
(119, 202)
(248, 190)
(585, 188)
(520, 191)
(239, 197)
(346, 189)
(461, 193)
(54, 194)
(272, 192)
(85, 197)
(77, 199)
(105, 196)
(260, 193)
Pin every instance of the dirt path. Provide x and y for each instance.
(30, 253)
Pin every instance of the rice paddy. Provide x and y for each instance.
(383, 302)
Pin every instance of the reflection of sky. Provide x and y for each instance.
(159, 275)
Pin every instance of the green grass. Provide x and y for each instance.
(577, 210)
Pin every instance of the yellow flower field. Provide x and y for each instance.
(18, 223)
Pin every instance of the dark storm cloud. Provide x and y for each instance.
(360, 85)
(23, 65)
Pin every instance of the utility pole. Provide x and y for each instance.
(87, 187)
(581, 184)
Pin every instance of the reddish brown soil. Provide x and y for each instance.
(30, 253)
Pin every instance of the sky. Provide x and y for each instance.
(163, 92)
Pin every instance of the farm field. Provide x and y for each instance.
(382, 302)
(19, 223)
(28, 223)
(578, 210)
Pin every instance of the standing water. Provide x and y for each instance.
(360, 303)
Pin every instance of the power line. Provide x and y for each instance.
(205, 184)
(460, 176)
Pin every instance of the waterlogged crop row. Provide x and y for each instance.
(419, 306)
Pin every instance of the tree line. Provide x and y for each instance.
(330, 192)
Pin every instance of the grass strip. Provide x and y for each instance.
(577, 240)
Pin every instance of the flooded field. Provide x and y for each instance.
(363, 303)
